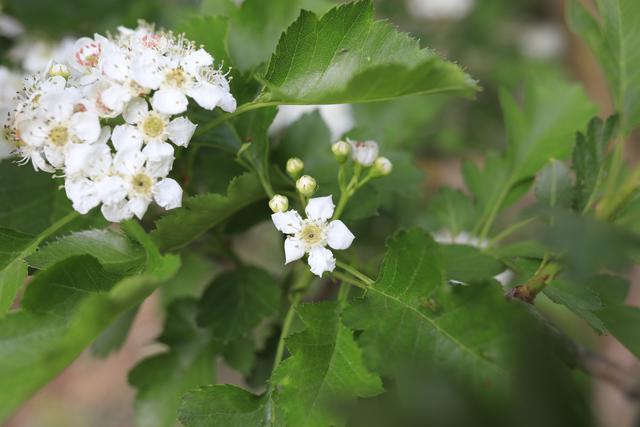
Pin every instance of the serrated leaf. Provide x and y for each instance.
(325, 368)
(468, 265)
(553, 187)
(201, 213)
(578, 298)
(588, 159)
(237, 301)
(114, 251)
(162, 378)
(221, 406)
(347, 57)
(411, 316)
(614, 38)
(451, 210)
(64, 309)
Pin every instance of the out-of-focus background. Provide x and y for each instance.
(499, 42)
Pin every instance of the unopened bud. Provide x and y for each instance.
(364, 152)
(382, 166)
(295, 166)
(59, 70)
(306, 185)
(341, 151)
(279, 203)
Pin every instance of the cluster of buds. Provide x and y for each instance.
(363, 153)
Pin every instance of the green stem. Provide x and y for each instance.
(510, 230)
(348, 279)
(50, 230)
(223, 118)
(349, 269)
(288, 320)
(495, 208)
(348, 191)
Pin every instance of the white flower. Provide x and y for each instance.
(313, 234)
(141, 183)
(156, 127)
(542, 41)
(440, 9)
(35, 55)
(10, 27)
(338, 118)
(364, 152)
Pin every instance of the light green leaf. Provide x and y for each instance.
(201, 213)
(13, 270)
(237, 301)
(554, 185)
(347, 57)
(451, 210)
(325, 368)
(64, 309)
(614, 39)
(163, 378)
(410, 316)
(221, 406)
(114, 251)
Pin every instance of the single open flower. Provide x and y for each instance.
(313, 234)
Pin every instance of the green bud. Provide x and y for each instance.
(382, 166)
(59, 70)
(306, 185)
(279, 203)
(341, 151)
(295, 166)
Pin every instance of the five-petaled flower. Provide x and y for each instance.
(313, 234)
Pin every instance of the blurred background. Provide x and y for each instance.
(499, 42)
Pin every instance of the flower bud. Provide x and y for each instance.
(364, 152)
(341, 151)
(59, 70)
(382, 166)
(295, 166)
(279, 203)
(306, 185)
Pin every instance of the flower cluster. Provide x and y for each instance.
(105, 117)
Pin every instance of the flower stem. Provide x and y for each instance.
(510, 230)
(348, 279)
(354, 272)
(348, 191)
(285, 329)
(50, 230)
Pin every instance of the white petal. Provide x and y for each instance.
(206, 95)
(157, 151)
(181, 130)
(57, 107)
(338, 235)
(138, 205)
(145, 68)
(77, 158)
(135, 111)
(129, 162)
(54, 155)
(288, 222)
(115, 97)
(83, 193)
(114, 63)
(169, 101)
(321, 260)
(293, 249)
(86, 126)
(228, 102)
(168, 194)
(126, 137)
(117, 212)
(192, 62)
(33, 132)
(320, 208)
(113, 190)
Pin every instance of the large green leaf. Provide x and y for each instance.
(347, 57)
(325, 368)
(468, 265)
(221, 406)
(162, 378)
(411, 316)
(614, 38)
(553, 187)
(237, 301)
(64, 309)
(13, 270)
(201, 213)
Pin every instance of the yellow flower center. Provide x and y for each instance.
(153, 126)
(59, 135)
(142, 183)
(312, 234)
(176, 77)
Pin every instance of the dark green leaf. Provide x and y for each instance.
(347, 57)
(221, 406)
(115, 335)
(467, 264)
(325, 368)
(578, 298)
(553, 187)
(13, 270)
(451, 210)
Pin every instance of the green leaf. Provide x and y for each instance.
(589, 158)
(554, 185)
(115, 335)
(347, 57)
(410, 316)
(211, 33)
(614, 38)
(64, 309)
(13, 270)
(114, 251)
(578, 298)
(451, 210)
(325, 368)
(201, 213)
(163, 378)
(622, 322)
(240, 354)
(221, 406)
(468, 265)
(253, 128)
(196, 272)
(237, 301)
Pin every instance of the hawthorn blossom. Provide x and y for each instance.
(364, 152)
(312, 235)
(157, 127)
